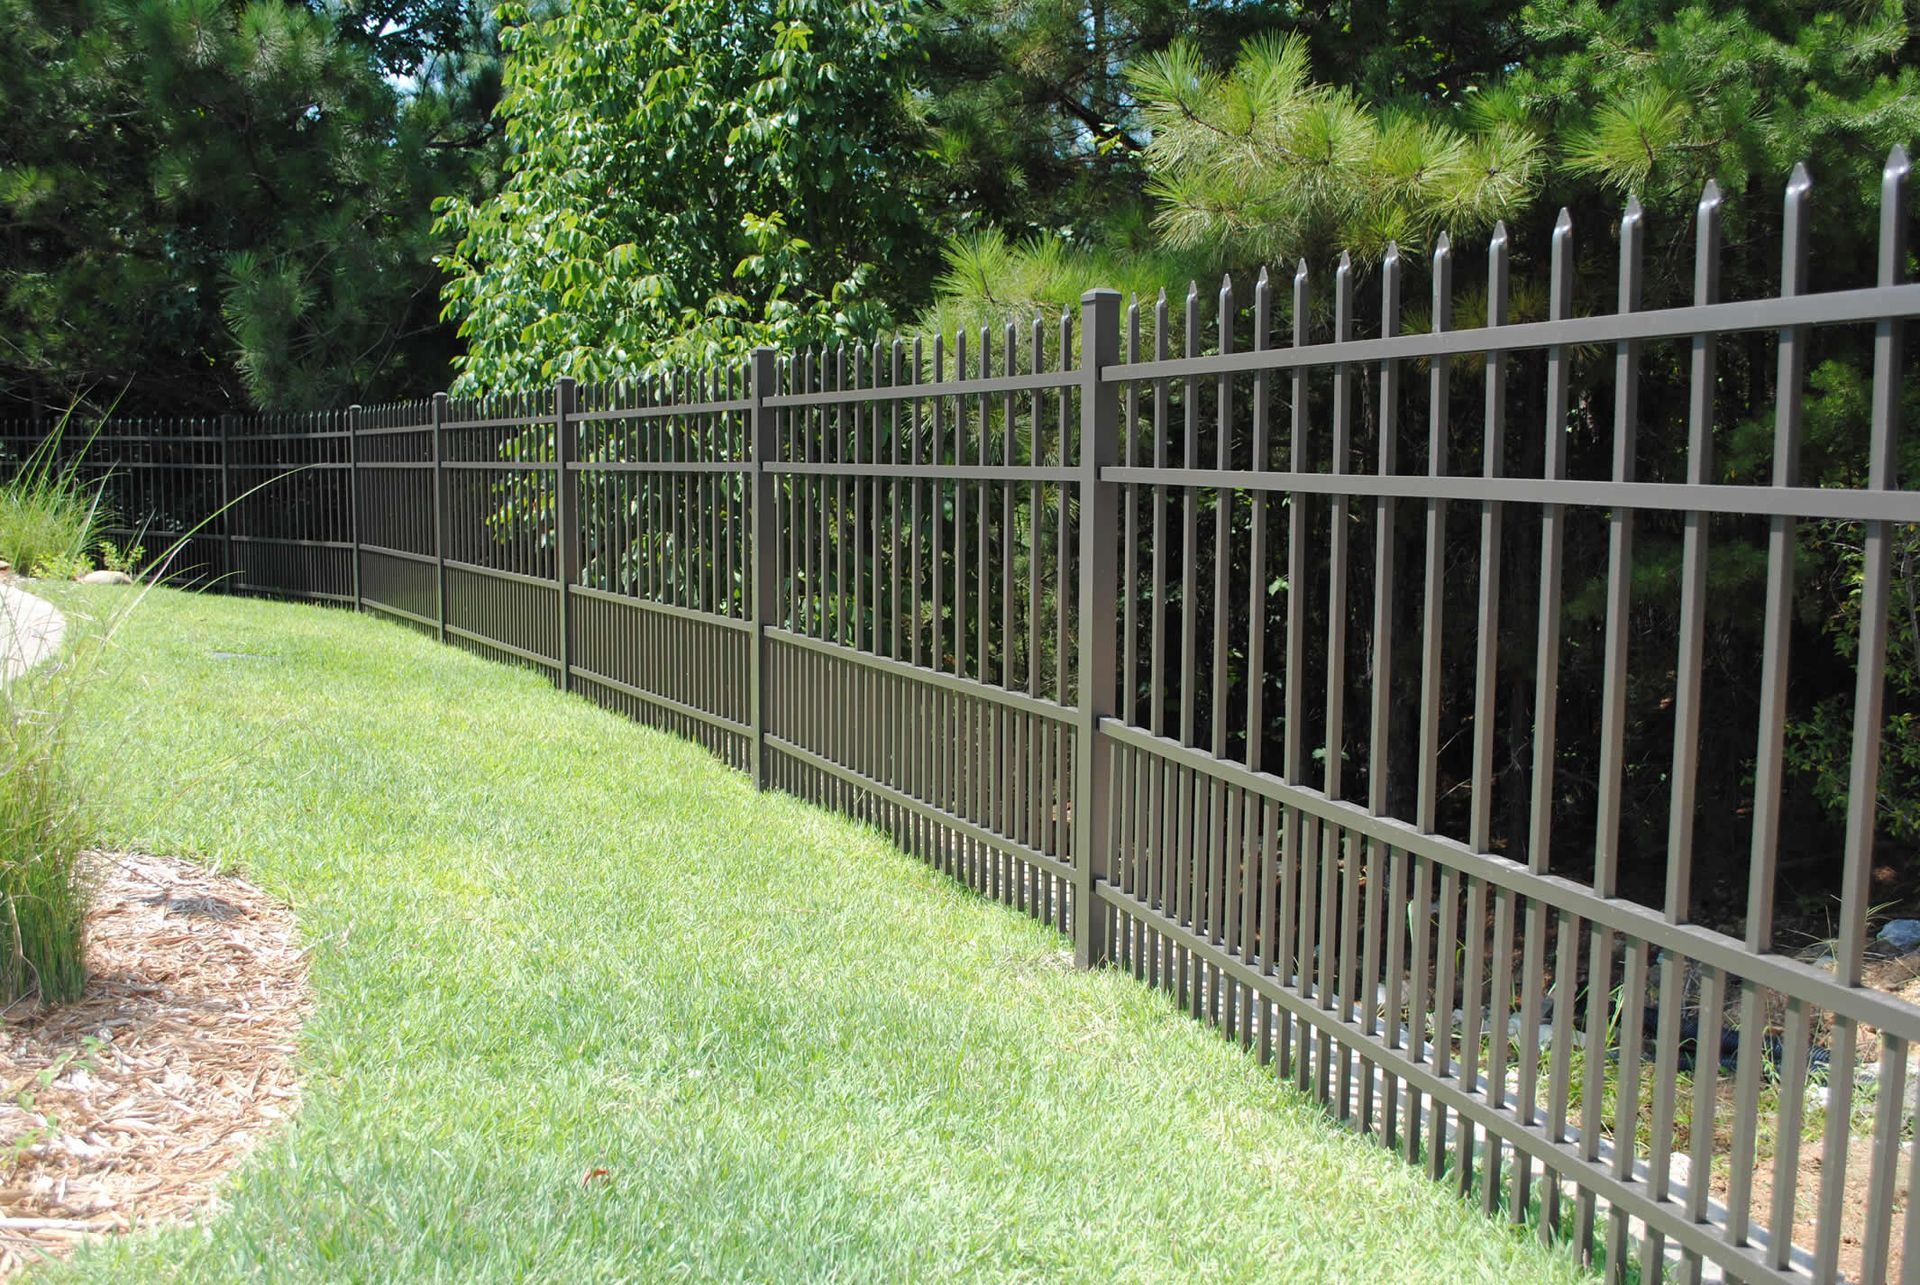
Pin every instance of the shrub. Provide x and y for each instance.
(50, 523)
(43, 895)
(50, 518)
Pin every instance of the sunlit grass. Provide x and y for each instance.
(589, 1008)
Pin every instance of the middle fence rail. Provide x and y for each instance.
(1078, 611)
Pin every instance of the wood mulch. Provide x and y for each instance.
(125, 1108)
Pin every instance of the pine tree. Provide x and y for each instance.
(206, 204)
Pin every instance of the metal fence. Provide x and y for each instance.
(1071, 615)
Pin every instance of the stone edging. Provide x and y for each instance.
(30, 631)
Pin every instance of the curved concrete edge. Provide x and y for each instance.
(30, 630)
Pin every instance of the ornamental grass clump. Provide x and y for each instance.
(43, 892)
(51, 519)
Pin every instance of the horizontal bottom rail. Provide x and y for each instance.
(888, 794)
(664, 702)
(1788, 976)
(1562, 1158)
(474, 635)
(401, 612)
(271, 591)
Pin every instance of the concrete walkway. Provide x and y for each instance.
(30, 631)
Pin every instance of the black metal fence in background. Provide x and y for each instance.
(1067, 614)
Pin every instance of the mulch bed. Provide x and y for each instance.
(125, 1108)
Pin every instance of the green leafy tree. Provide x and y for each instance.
(687, 179)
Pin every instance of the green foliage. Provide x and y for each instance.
(50, 517)
(210, 202)
(1655, 98)
(43, 896)
(127, 558)
(1034, 128)
(1833, 555)
(688, 179)
(1263, 163)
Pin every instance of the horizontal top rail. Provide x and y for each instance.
(730, 406)
(1835, 307)
(241, 436)
(506, 421)
(963, 472)
(658, 466)
(388, 430)
(1834, 503)
(946, 388)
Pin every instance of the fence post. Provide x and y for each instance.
(230, 570)
(766, 538)
(566, 519)
(439, 519)
(1094, 641)
(353, 497)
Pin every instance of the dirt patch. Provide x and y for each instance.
(126, 1107)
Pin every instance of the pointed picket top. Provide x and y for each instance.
(1706, 253)
(1497, 243)
(1709, 198)
(1893, 216)
(1793, 231)
(1390, 290)
(1894, 174)
(1442, 283)
(1799, 183)
(1633, 224)
(1193, 290)
(1262, 309)
(1163, 295)
(1342, 297)
(1442, 246)
(1560, 273)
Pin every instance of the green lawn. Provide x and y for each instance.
(546, 940)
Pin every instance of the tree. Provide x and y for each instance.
(687, 179)
(1262, 163)
(206, 204)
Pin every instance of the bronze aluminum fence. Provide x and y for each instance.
(1070, 614)
(254, 504)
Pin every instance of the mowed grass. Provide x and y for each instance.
(547, 942)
